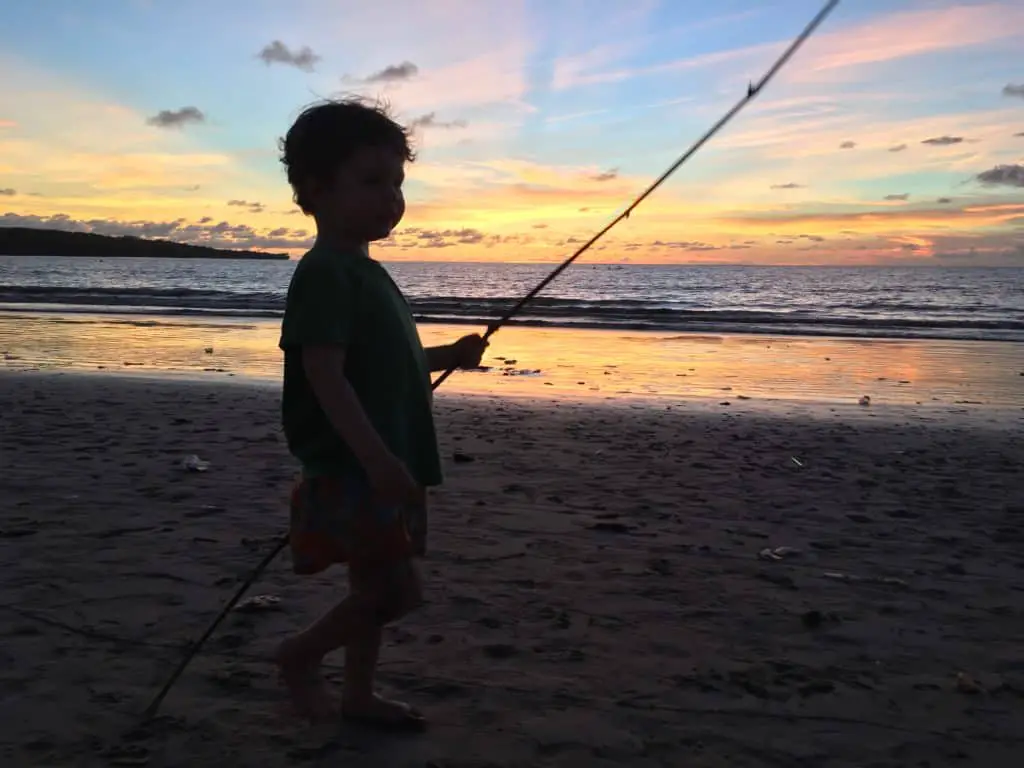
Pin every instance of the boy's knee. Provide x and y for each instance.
(405, 591)
(394, 604)
(397, 592)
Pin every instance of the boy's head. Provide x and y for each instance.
(346, 165)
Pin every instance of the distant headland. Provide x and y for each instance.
(26, 241)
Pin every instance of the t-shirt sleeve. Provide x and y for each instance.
(320, 308)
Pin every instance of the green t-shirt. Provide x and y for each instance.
(347, 298)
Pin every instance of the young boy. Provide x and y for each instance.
(356, 405)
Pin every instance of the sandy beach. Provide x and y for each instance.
(659, 585)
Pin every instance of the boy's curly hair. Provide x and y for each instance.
(326, 134)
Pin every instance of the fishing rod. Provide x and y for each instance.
(753, 90)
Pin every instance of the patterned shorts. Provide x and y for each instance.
(334, 519)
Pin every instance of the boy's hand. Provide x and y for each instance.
(392, 483)
(468, 351)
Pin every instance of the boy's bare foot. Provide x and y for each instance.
(306, 687)
(378, 712)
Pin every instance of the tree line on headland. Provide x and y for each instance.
(26, 241)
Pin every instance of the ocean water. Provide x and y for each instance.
(872, 302)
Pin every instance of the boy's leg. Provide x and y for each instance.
(299, 658)
(393, 590)
(384, 587)
(321, 510)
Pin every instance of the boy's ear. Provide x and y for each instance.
(311, 188)
(317, 186)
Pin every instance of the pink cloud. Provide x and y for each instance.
(494, 77)
(455, 54)
(571, 72)
(887, 37)
(912, 33)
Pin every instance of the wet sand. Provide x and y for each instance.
(646, 585)
(596, 365)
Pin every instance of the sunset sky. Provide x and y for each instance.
(896, 135)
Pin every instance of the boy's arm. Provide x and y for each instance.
(464, 353)
(324, 365)
(440, 358)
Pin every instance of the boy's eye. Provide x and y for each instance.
(383, 180)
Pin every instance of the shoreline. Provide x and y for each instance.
(835, 328)
(605, 585)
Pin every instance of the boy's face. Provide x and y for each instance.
(365, 198)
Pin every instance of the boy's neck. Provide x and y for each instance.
(339, 241)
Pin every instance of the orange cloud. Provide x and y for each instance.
(899, 219)
(88, 157)
(666, 232)
(782, 133)
(509, 190)
(103, 171)
(666, 229)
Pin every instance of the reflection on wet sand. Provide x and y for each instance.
(543, 362)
